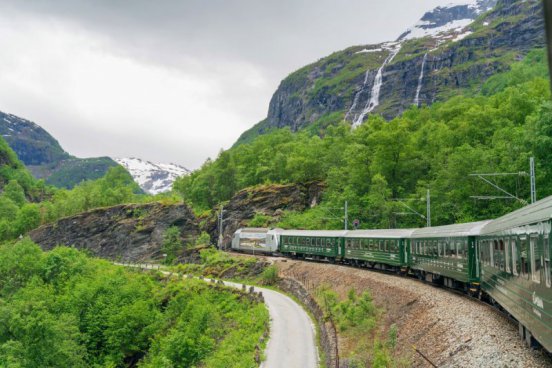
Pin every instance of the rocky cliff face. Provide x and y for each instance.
(269, 200)
(451, 49)
(135, 232)
(127, 232)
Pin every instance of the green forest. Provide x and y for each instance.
(495, 130)
(64, 309)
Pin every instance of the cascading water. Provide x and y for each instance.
(373, 102)
(357, 95)
(420, 80)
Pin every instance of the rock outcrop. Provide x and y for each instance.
(268, 200)
(126, 232)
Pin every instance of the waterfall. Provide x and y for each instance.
(357, 95)
(374, 96)
(420, 80)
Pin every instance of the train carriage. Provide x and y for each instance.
(514, 252)
(323, 244)
(447, 254)
(256, 240)
(386, 248)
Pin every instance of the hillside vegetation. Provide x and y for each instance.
(26, 203)
(64, 309)
(432, 148)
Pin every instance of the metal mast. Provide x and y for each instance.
(533, 185)
(428, 216)
(346, 216)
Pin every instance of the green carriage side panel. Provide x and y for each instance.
(384, 251)
(322, 246)
(515, 263)
(432, 260)
(382, 246)
(448, 250)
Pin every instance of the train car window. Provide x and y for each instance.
(507, 250)
(434, 248)
(536, 259)
(482, 252)
(546, 244)
(491, 253)
(524, 257)
(515, 256)
(459, 249)
(440, 248)
(498, 255)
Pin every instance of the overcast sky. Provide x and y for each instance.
(171, 81)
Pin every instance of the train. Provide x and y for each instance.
(505, 261)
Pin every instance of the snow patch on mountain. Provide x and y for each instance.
(447, 19)
(152, 178)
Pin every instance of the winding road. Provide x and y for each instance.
(292, 336)
(292, 333)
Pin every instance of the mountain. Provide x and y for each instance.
(452, 50)
(45, 158)
(152, 178)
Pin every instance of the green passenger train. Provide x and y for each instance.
(505, 261)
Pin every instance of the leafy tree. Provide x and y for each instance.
(14, 192)
(172, 243)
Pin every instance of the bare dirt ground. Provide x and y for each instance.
(450, 329)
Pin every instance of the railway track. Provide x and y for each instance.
(449, 328)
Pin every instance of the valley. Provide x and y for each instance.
(390, 135)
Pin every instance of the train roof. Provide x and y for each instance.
(380, 233)
(252, 230)
(456, 230)
(533, 213)
(331, 233)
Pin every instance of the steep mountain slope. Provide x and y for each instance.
(152, 178)
(44, 156)
(33, 145)
(15, 177)
(451, 49)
